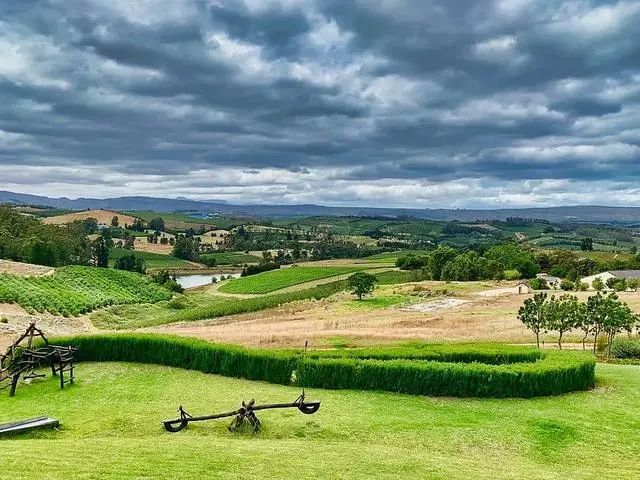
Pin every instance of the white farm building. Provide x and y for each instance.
(618, 274)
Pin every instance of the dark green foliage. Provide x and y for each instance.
(186, 248)
(470, 266)
(421, 370)
(26, 239)
(261, 267)
(157, 224)
(167, 280)
(412, 262)
(361, 283)
(394, 276)
(131, 263)
(512, 257)
(99, 252)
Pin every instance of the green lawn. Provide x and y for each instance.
(285, 277)
(111, 430)
(152, 260)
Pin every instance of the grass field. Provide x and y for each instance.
(103, 216)
(232, 258)
(391, 257)
(286, 277)
(75, 290)
(152, 260)
(111, 430)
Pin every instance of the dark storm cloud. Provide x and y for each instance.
(376, 94)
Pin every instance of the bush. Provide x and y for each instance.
(626, 348)
(418, 369)
(261, 267)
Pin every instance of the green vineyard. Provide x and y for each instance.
(75, 290)
(287, 277)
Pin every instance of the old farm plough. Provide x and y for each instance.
(245, 415)
(23, 357)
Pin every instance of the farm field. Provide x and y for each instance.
(182, 221)
(152, 260)
(111, 430)
(271, 281)
(75, 290)
(103, 216)
(232, 258)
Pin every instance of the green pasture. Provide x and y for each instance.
(151, 260)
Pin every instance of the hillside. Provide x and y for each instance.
(103, 216)
(581, 213)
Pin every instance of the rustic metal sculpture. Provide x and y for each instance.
(21, 360)
(245, 415)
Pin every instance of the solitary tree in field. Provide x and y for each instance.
(532, 314)
(115, 221)
(361, 283)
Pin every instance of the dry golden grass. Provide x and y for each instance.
(103, 216)
(142, 245)
(322, 322)
(24, 269)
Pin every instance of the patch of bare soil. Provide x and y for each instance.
(436, 305)
(24, 269)
(103, 216)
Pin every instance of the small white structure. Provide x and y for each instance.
(606, 276)
(551, 281)
(523, 288)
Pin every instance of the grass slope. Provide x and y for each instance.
(74, 290)
(286, 277)
(111, 430)
(152, 260)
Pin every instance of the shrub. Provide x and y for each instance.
(418, 369)
(626, 348)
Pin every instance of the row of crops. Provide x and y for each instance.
(75, 290)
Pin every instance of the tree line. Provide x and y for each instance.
(599, 315)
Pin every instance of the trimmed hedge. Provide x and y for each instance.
(451, 370)
(626, 348)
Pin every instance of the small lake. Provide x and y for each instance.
(191, 281)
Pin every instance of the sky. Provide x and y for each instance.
(398, 103)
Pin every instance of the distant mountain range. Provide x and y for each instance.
(586, 213)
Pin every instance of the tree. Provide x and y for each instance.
(586, 244)
(99, 253)
(157, 224)
(361, 283)
(595, 317)
(598, 284)
(131, 263)
(618, 317)
(567, 285)
(438, 259)
(90, 225)
(115, 221)
(532, 314)
(513, 257)
(186, 248)
(563, 314)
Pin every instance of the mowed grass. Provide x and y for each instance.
(151, 260)
(285, 277)
(111, 430)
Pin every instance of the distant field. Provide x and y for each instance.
(103, 216)
(152, 260)
(391, 257)
(75, 290)
(287, 277)
(232, 258)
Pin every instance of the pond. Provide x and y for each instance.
(191, 281)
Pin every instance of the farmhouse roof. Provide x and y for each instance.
(627, 274)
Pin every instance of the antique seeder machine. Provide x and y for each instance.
(23, 357)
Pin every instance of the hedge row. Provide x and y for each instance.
(421, 370)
